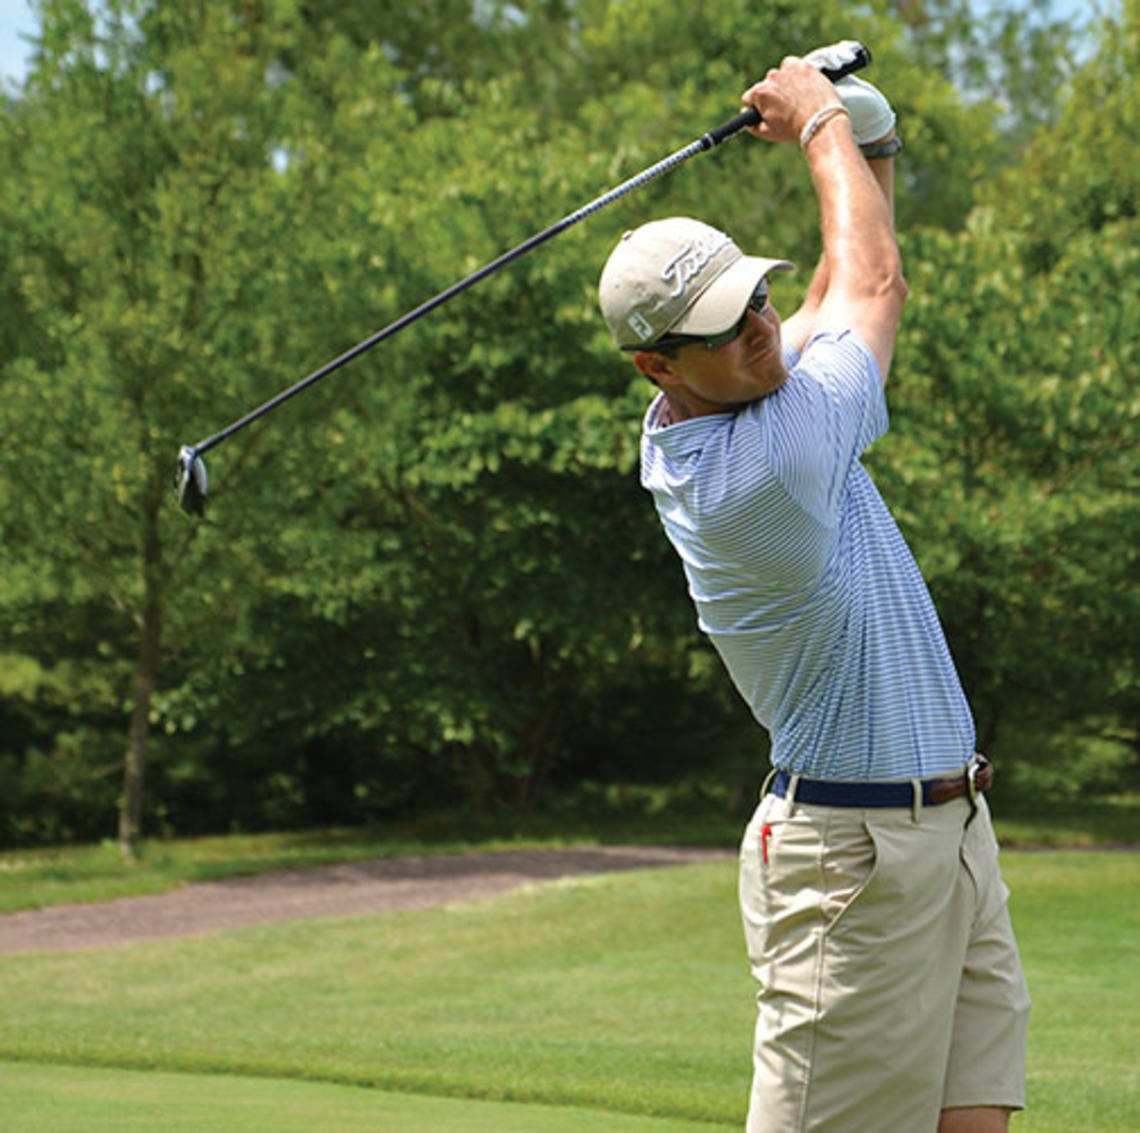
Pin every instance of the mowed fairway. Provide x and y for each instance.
(616, 994)
(37, 1098)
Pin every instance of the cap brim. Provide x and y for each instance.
(724, 300)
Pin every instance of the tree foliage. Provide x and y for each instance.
(433, 578)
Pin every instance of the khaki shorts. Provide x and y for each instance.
(890, 984)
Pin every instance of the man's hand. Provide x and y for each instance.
(787, 98)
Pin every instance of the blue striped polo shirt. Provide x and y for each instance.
(801, 577)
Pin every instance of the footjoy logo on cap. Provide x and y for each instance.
(641, 326)
(687, 264)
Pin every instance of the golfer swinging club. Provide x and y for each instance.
(891, 997)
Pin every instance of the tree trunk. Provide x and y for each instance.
(138, 733)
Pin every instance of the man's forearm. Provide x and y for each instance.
(864, 285)
(798, 327)
(856, 217)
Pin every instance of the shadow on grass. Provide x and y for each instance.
(695, 816)
(687, 814)
(1095, 823)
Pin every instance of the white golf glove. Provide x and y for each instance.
(871, 115)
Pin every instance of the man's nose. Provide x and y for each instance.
(757, 322)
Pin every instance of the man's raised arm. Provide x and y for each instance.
(859, 284)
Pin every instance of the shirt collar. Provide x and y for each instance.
(683, 437)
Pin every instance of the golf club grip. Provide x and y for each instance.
(751, 116)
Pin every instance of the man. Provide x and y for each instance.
(891, 995)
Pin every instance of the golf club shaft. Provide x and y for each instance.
(746, 118)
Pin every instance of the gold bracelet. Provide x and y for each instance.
(817, 120)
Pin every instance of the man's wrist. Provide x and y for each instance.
(888, 148)
(819, 119)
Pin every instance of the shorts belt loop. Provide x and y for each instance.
(767, 782)
(916, 802)
(790, 797)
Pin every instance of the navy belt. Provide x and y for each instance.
(977, 776)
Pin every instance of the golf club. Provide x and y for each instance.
(192, 481)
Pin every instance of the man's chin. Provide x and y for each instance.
(768, 368)
(757, 397)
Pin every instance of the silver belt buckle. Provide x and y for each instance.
(972, 769)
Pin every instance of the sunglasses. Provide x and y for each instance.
(757, 303)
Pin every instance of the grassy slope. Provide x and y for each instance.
(597, 990)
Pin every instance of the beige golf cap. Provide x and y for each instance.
(677, 276)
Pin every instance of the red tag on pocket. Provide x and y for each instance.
(765, 834)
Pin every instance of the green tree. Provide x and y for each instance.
(165, 273)
(1018, 426)
(432, 578)
(1012, 467)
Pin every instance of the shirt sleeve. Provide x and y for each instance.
(829, 411)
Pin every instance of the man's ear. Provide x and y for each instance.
(658, 368)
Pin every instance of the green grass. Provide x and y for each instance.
(36, 878)
(1110, 820)
(59, 1099)
(1078, 922)
(624, 993)
(583, 992)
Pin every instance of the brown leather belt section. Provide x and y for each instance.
(978, 776)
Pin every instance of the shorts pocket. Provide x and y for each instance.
(849, 869)
(800, 874)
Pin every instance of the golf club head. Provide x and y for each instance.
(192, 482)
